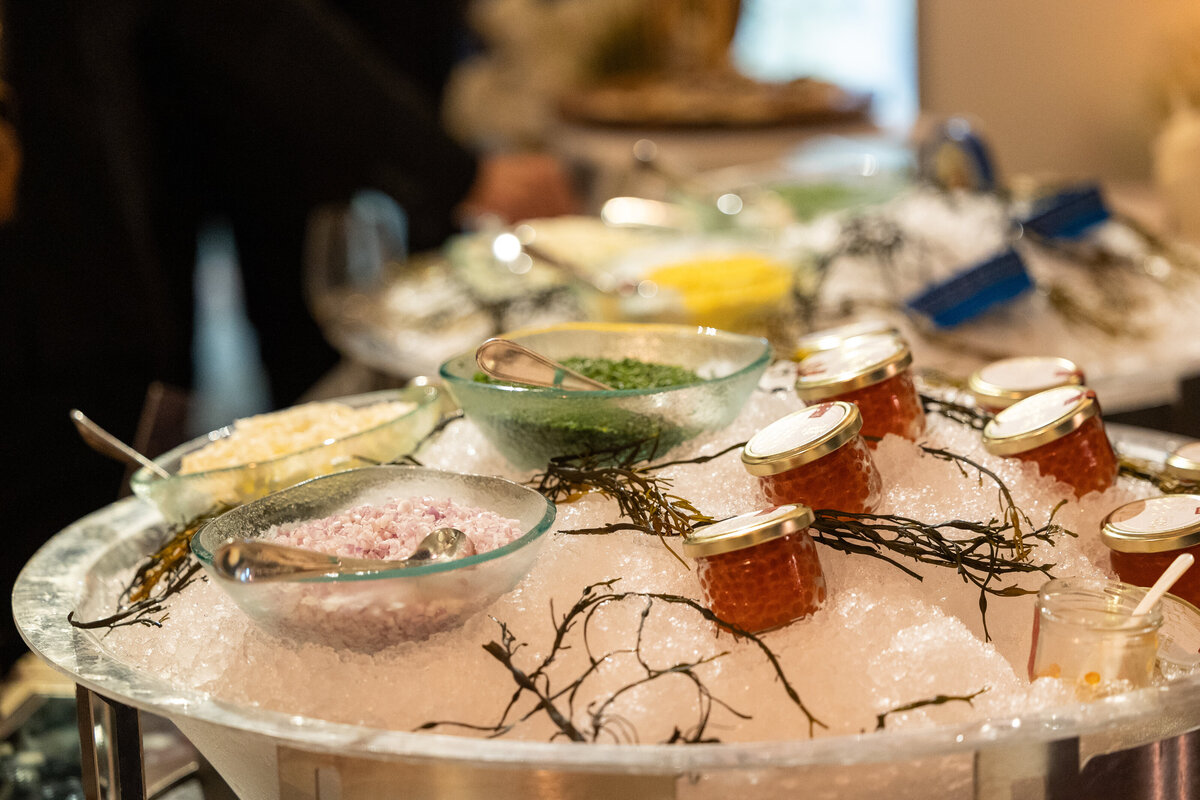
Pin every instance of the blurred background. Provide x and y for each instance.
(213, 209)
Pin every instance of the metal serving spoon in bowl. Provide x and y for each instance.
(252, 561)
(506, 360)
(105, 443)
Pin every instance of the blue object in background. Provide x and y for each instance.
(1069, 214)
(972, 292)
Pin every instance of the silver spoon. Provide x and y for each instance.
(104, 442)
(506, 360)
(252, 561)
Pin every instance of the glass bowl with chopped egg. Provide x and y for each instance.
(730, 284)
(268, 452)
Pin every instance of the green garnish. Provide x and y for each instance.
(625, 373)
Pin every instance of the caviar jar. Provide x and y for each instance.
(873, 373)
(1002, 383)
(1145, 536)
(1184, 463)
(816, 457)
(759, 570)
(1060, 430)
(835, 337)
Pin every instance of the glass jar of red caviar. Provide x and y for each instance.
(873, 373)
(1060, 430)
(1145, 536)
(816, 457)
(1002, 383)
(835, 337)
(759, 570)
(1184, 463)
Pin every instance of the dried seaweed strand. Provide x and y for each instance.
(970, 416)
(981, 552)
(166, 572)
(559, 704)
(644, 499)
(1154, 473)
(937, 700)
(1102, 319)
(1177, 256)
(1009, 509)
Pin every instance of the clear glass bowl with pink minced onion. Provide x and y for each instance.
(368, 612)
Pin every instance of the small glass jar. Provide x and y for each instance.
(1145, 536)
(1184, 463)
(873, 373)
(1061, 431)
(835, 337)
(816, 457)
(1001, 383)
(759, 570)
(1085, 633)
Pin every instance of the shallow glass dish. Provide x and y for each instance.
(722, 282)
(372, 611)
(531, 425)
(184, 497)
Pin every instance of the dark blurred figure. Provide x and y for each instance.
(141, 119)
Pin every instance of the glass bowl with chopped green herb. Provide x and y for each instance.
(670, 383)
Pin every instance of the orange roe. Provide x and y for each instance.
(844, 480)
(764, 586)
(1083, 459)
(1143, 569)
(890, 406)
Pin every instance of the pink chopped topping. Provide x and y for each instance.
(393, 530)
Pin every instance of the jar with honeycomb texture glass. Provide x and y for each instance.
(1001, 383)
(1145, 536)
(873, 372)
(759, 570)
(816, 457)
(1062, 432)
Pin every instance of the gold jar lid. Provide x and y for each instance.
(1156, 525)
(1004, 382)
(1184, 462)
(801, 437)
(861, 362)
(835, 337)
(1041, 419)
(747, 530)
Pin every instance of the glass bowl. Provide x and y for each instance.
(184, 497)
(727, 283)
(531, 425)
(1179, 638)
(370, 612)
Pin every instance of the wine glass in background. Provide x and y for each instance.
(397, 313)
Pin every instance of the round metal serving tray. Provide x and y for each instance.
(266, 754)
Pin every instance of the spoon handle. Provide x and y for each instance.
(105, 443)
(506, 360)
(253, 561)
(249, 561)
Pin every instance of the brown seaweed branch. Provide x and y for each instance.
(981, 552)
(162, 574)
(970, 416)
(937, 700)
(559, 704)
(1154, 473)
